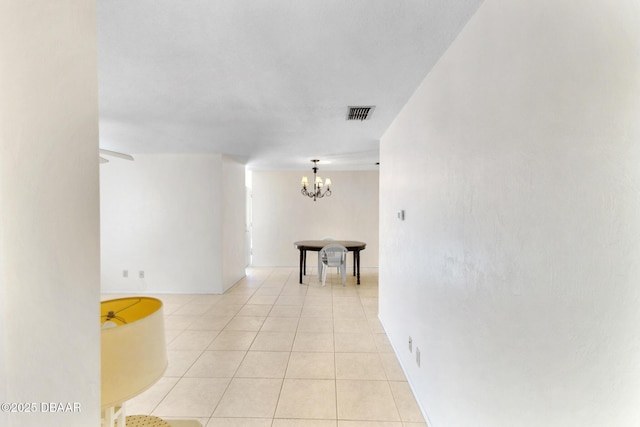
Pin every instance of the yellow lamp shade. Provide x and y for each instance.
(134, 354)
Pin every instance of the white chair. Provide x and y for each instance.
(334, 255)
(320, 259)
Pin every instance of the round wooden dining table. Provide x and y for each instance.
(315, 245)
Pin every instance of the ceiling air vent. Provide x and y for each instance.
(360, 113)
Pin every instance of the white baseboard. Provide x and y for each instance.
(413, 390)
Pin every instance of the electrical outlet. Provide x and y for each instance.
(125, 273)
(418, 356)
(142, 274)
(410, 345)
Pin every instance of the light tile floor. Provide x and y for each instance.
(273, 353)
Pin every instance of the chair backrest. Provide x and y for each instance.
(333, 255)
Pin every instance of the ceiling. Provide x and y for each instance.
(265, 82)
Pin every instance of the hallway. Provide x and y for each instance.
(272, 352)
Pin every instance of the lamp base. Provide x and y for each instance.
(113, 414)
(184, 423)
(146, 421)
(151, 421)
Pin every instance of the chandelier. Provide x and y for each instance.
(317, 192)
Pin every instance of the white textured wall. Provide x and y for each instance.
(49, 211)
(517, 269)
(281, 215)
(162, 214)
(4, 386)
(234, 227)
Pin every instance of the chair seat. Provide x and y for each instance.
(333, 255)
